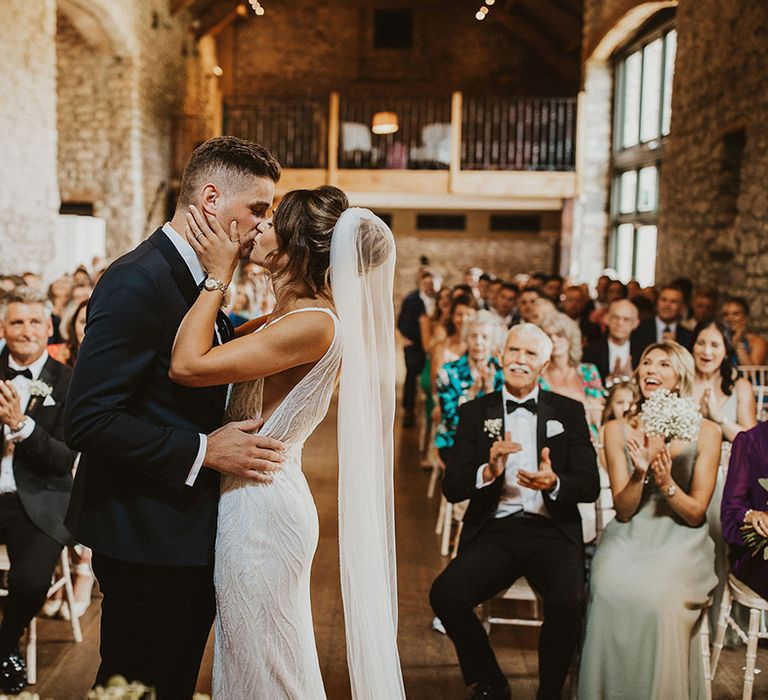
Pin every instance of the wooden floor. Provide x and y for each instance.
(66, 670)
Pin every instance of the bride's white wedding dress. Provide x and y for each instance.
(267, 535)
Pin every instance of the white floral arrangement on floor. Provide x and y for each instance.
(671, 416)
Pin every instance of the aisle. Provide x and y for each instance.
(66, 670)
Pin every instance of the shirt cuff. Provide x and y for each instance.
(555, 491)
(479, 483)
(192, 476)
(24, 433)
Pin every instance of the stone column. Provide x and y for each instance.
(29, 194)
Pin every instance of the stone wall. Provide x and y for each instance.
(29, 196)
(310, 47)
(714, 202)
(451, 252)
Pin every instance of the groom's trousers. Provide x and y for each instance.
(155, 621)
(503, 551)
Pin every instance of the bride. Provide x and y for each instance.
(332, 268)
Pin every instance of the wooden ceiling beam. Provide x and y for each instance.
(179, 5)
(548, 20)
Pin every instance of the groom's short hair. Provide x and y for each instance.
(226, 159)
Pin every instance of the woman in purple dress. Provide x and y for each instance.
(745, 501)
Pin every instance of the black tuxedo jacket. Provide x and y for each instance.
(408, 319)
(597, 354)
(645, 335)
(42, 464)
(572, 454)
(137, 430)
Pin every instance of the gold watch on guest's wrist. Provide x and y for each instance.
(670, 490)
(211, 284)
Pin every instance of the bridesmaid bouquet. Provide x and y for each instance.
(671, 416)
(755, 542)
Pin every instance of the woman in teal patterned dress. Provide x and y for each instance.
(566, 374)
(475, 373)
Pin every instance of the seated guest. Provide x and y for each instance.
(751, 348)
(493, 290)
(730, 402)
(666, 323)
(454, 345)
(614, 290)
(574, 305)
(524, 459)
(474, 374)
(744, 502)
(566, 374)
(633, 288)
(505, 303)
(653, 570)
(552, 288)
(483, 288)
(703, 307)
(542, 307)
(36, 469)
(614, 355)
(526, 302)
(433, 332)
(621, 396)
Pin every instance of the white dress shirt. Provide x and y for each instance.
(521, 424)
(660, 326)
(189, 256)
(22, 386)
(617, 352)
(429, 303)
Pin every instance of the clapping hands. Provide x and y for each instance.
(642, 455)
(544, 479)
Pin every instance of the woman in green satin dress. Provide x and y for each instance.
(653, 570)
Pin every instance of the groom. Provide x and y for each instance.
(146, 492)
(523, 457)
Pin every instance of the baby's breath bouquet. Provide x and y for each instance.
(671, 416)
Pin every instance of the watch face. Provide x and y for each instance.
(210, 284)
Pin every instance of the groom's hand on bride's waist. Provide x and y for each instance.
(234, 449)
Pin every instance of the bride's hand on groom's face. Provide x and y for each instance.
(233, 449)
(217, 249)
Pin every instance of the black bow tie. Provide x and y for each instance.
(10, 373)
(529, 405)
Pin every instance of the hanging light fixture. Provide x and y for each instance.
(384, 123)
(257, 8)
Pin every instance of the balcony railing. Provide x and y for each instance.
(493, 133)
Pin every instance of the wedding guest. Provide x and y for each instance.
(566, 374)
(493, 290)
(666, 324)
(646, 309)
(505, 303)
(59, 292)
(483, 287)
(729, 401)
(462, 289)
(81, 292)
(463, 309)
(633, 288)
(524, 459)
(744, 503)
(621, 396)
(525, 303)
(574, 305)
(81, 277)
(653, 570)
(474, 374)
(32, 280)
(415, 305)
(74, 321)
(537, 280)
(552, 288)
(541, 309)
(35, 474)
(703, 307)
(751, 348)
(433, 332)
(614, 355)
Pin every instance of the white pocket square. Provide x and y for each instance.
(49, 401)
(554, 427)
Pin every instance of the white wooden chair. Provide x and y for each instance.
(63, 581)
(738, 591)
(450, 514)
(756, 374)
(761, 402)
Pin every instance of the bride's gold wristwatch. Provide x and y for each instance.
(211, 284)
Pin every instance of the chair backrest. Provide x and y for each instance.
(761, 402)
(756, 374)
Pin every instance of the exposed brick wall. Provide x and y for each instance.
(310, 47)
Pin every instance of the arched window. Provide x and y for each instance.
(642, 116)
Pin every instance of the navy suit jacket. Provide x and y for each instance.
(138, 431)
(408, 319)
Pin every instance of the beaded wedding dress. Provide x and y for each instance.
(267, 533)
(266, 538)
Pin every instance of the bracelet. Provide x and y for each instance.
(747, 514)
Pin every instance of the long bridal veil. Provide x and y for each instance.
(362, 268)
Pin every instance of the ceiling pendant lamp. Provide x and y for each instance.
(384, 123)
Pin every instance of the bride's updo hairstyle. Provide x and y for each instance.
(304, 222)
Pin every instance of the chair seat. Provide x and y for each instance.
(520, 590)
(744, 595)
